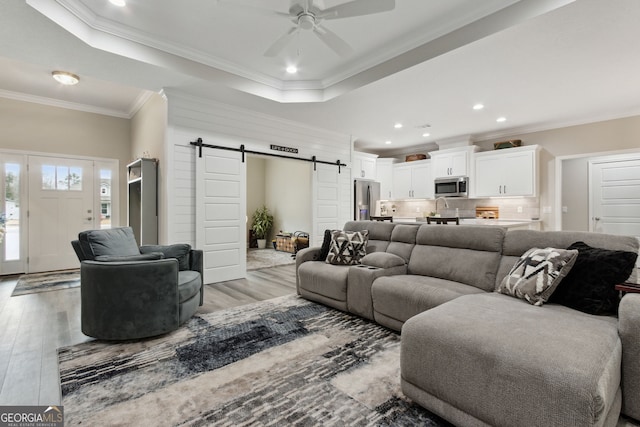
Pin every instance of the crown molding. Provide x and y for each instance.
(17, 96)
(522, 130)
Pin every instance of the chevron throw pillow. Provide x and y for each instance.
(347, 247)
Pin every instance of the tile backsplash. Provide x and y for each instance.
(518, 208)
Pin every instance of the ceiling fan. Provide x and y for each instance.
(305, 16)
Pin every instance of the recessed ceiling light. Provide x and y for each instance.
(426, 134)
(387, 142)
(65, 77)
(292, 69)
(398, 125)
(478, 107)
(501, 119)
(119, 3)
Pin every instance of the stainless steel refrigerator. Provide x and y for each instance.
(366, 194)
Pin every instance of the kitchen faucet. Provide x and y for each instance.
(446, 205)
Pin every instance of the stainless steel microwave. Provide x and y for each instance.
(452, 187)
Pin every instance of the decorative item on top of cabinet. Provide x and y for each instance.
(142, 200)
(507, 173)
(364, 165)
(413, 180)
(452, 162)
(507, 144)
(414, 157)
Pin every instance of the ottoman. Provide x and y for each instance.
(494, 360)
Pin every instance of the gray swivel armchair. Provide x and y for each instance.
(131, 292)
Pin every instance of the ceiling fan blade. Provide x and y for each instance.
(357, 8)
(280, 44)
(332, 40)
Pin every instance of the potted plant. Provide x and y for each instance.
(262, 223)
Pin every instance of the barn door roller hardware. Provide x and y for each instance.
(198, 143)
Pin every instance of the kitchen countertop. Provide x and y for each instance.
(475, 221)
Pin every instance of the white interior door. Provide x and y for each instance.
(614, 197)
(332, 195)
(221, 214)
(61, 204)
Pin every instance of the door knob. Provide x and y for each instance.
(89, 219)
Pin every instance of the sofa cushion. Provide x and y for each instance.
(189, 284)
(537, 273)
(141, 257)
(403, 240)
(465, 254)
(379, 233)
(113, 241)
(383, 260)
(179, 251)
(398, 298)
(324, 279)
(507, 363)
(347, 247)
(590, 285)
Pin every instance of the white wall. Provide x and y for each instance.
(288, 195)
(148, 136)
(34, 127)
(575, 194)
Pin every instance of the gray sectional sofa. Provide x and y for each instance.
(476, 357)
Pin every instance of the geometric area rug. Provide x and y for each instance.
(285, 361)
(43, 282)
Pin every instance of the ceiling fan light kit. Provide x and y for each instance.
(305, 16)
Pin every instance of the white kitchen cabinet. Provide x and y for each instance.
(451, 162)
(413, 180)
(384, 175)
(364, 166)
(507, 173)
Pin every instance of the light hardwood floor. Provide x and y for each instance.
(33, 326)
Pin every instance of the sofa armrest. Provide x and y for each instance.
(359, 282)
(126, 300)
(629, 330)
(304, 255)
(195, 264)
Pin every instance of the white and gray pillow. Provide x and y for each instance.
(537, 273)
(347, 247)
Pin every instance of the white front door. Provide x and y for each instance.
(614, 197)
(221, 214)
(61, 204)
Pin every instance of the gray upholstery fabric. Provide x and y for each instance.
(141, 257)
(382, 260)
(179, 251)
(402, 297)
(320, 278)
(629, 329)
(114, 308)
(508, 363)
(304, 255)
(112, 241)
(403, 240)
(470, 267)
(189, 283)
(360, 280)
(465, 254)
(379, 233)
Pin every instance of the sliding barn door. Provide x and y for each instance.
(221, 214)
(331, 199)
